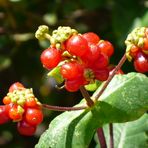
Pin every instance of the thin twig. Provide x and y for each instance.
(101, 137)
(59, 108)
(86, 96)
(111, 76)
(111, 135)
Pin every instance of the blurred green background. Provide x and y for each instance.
(20, 51)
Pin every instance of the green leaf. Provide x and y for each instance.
(129, 134)
(125, 99)
(55, 73)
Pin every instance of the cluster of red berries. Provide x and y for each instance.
(82, 58)
(21, 106)
(137, 48)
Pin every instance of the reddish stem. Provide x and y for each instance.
(101, 137)
(86, 96)
(59, 108)
(111, 135)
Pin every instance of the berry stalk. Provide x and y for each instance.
(86, 96)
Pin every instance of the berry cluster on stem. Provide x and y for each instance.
(21, 106)
(81, 58)
(137, 48)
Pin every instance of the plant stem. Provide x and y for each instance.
(121, 62)
(86, 96)
(111, 135)
(101, 137)
(59, 108)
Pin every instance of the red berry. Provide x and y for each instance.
(101, 62)
(119, 72)
(92, 55)
(106, 47)
(101, 74)
(25, 128)
(50, 57)
(134, 51)
(30, 102)
(14, 113)
(72, 70)
(16, 86)
(3, 115)
(77, 45)
(6, 100)
(91, 37)
(141, 63)
(33, 116)
(74, 85)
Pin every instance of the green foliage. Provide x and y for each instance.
(128, 135)
(20, 51)
(125, 99)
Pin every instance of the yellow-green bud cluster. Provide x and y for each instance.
(40, 33)
(136, 37)
(61, 34)
(58, 36)
(19, 97)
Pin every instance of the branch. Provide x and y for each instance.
(101, 137)
(86, 96)
(111, 135)
(59, 108)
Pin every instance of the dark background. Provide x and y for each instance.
(20, 51)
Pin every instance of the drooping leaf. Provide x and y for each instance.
(125, 99)
(129, 134)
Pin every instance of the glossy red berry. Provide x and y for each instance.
(25, 128)
(101, 74)
(77, 45)
(134, 51)
(3, 115)
(120, 72)
(16, 86)
(106, 47)
(91, 37)
(33, 116)
(30, 102)
(141, 63)
(14, 113)
(74, 85)
(6, 100)
(71, 70)
(101, 62)
(93, 53)
(50, 57)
